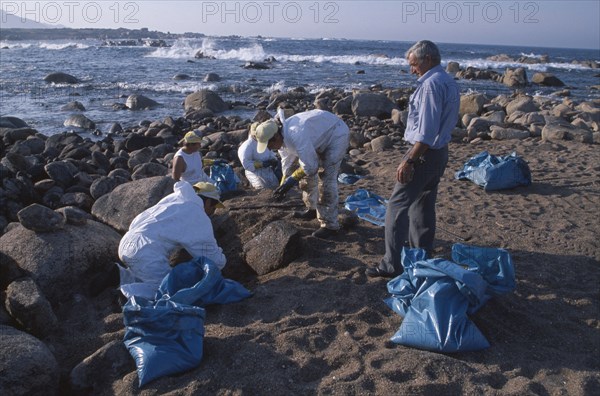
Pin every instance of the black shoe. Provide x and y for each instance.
(324, 233)
(376, 272)
(308, 214)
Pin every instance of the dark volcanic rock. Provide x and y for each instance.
(28, 366)
(274, 248)
(61, 78)
(39, 218)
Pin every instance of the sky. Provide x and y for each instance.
(545, 23)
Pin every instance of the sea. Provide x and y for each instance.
(109, 74)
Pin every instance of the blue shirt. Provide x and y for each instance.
(433, 109)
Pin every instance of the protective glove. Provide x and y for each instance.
(298, 174)
(258, 164)
(281, 191)
(272, 163)
(209, 162)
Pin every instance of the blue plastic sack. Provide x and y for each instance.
(436, 296)
(224, 177)
(346, 178)
(165, 336)
(367, 206)
(199, 282)
(163, 339)
(495, 173)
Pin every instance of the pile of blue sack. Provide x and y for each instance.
(436, 296)
(495, 173)
(165, 335)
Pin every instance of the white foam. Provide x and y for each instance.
(13, 45)
(61, 46)
(538, 67)
(183, 87)
(278, 86)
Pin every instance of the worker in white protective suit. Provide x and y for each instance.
(259, 168)
(179, 220)
(316, 139)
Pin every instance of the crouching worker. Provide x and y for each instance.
(315, 139)
(188, 163)
(260, 168)
(179, 220)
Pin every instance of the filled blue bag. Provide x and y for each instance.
(495, 173)
(163, 339)
(199, 282)
(436, 296)
(224, 177)
(367, 206)
(347, 178)
(165, 336)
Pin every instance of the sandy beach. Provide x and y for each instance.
(319, 326)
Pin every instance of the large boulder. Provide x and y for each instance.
(343, 106)
(12, 122)
(73, 106)
(557, 132)
(62, 172)
(28, 366)
(60, 262)
(149, 169)
(26, 303)
(140, 102)
(381, 143)
(61, 78)
(135, 142)
(40, 218)
(79, 121)
(120, 207)
(472, 104)
(515, 78)
(499, 133)
(112, 360)
(524, 104)
(205, 99)
(274, 248)
(372, 105)
(547, 79)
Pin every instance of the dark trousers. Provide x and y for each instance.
(410, 213)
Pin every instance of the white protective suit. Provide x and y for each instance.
(193, 168)
(258, 178)
(177, 220)
(317, 139)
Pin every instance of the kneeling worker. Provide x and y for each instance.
(179, 220)
(316, 139)
(259, 168)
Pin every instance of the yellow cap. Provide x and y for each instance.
(264, 132)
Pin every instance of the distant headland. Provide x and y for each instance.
(86, 33)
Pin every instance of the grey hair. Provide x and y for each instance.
(425, 48)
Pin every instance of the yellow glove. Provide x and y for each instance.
(210, 162)
(298, 174)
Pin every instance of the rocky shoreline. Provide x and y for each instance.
(65, 201)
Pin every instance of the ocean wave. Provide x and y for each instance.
(537, 67)
(12, 45)
(183, 87)
(184, 49)
(373, 59)
(62, 46)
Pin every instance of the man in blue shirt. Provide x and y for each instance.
(432, 114)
